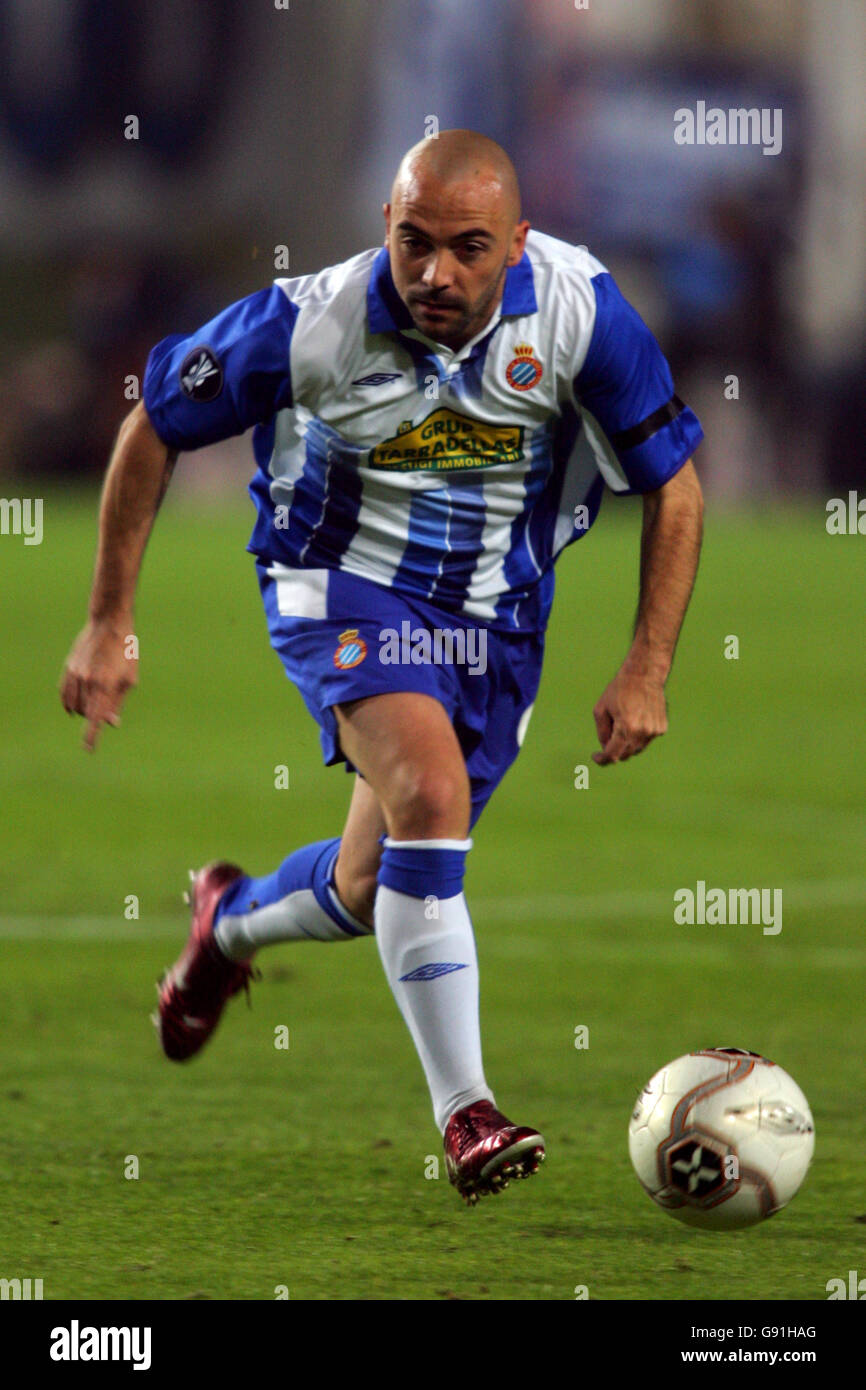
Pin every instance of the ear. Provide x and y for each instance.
(518, 243)
(386, 208)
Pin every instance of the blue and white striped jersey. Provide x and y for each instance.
(454, 477)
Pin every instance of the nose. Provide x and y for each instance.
(438, 271)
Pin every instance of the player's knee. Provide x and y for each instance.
(429, 803)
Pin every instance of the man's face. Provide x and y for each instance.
(450, 246)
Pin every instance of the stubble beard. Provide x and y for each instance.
(473, 319)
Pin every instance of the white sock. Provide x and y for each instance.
(297, 917)
(432, 968)
(298, 902)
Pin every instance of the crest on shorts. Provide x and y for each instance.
(351, 650)
(524, 371)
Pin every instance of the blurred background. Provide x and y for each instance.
(151, 161)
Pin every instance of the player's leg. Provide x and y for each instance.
(360, 852)
(233, 915)
(325, 891)
(321, 892)
(410, 754)
(406, 747)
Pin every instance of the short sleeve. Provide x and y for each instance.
(232, 373)
(639, 429)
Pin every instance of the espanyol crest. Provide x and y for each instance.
(524, 371)
(351, 650)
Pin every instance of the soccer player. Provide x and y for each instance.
(435, 421)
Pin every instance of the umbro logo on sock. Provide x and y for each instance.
(433, 971)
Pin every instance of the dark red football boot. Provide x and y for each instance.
(484, 1151)
(194, 992)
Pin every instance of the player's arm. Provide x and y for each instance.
(102, 667)
(643, 437)
(231, 374)
(632, 710)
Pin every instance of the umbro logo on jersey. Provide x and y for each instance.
(201, 376)
(376, 379)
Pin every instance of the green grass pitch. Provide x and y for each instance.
(312, 1167)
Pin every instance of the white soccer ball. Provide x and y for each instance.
(721, 1138)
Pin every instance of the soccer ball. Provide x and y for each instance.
(721, 1138)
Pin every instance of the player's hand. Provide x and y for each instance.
(99, 671)
(631, 712)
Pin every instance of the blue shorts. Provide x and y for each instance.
(342, 638)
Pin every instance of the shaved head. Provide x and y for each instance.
(453, 229)
(461, 156)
